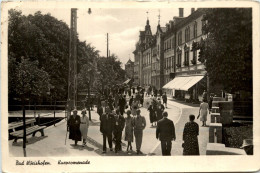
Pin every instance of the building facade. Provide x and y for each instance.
(188, 36)
(129, 68)
(172, 54)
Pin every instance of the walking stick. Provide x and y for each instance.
(66, 136)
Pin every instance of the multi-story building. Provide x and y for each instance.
(138, 59)
(169, 59)
(189, 73)
(155, 65)
(142, 55)
(129, 68)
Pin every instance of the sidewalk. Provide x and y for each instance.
(53, 144)
(186, 110)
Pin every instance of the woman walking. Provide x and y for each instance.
(159, 110)
(152, 113)
(203, 112)
(129, 136)
(84, 124)
(190, 137)
(73, 127)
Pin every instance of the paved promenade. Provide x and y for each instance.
(53, 144)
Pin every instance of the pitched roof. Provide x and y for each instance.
(163, 29)
(129, 61)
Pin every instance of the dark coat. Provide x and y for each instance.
(122, 103)
(165, 130)
(152, 114)
(159, 112)
(119, 124)
(107, 124)
(190, 138)
(164, 97)
(100, 111)
(73, 124)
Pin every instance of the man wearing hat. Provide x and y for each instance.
(107, 125)
(73, 127)
(102, 109)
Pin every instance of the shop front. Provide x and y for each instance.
(188, 88)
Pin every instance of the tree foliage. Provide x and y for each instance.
(227, 50)
(26, 78)
(43, 42)
(104, 73)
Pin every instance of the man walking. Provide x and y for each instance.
(122, 104)
(165, 131)
(102, 109)
(164, 97)
(119, 127)
(139, 124)
(107, 125)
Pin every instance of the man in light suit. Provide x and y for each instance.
(165, 131)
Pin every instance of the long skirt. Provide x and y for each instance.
(75, 133)
(152, 117)
(191, 146)
(84, 130)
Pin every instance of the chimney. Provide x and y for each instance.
(180, 12)
(192, 10)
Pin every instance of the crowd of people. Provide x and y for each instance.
(111, 110)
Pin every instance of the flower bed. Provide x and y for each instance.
(233, 136)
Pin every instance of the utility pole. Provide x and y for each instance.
(107, 45)
(72, 81)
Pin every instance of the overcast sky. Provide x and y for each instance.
(123, 26)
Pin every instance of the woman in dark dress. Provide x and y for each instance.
(190, 137)
(152, 114)
(73, 127)
(159, 110)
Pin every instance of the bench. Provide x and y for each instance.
(32, 129)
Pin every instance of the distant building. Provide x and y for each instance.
(172, 54)
(129, 68)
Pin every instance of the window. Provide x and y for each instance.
(179, 59)
(173, 43)
(179, 38)
(187, 34)
(186, 57)
(195, 30)
(194, 59)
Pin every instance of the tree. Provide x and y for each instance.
(27, 79)
(109, 73)
(227, 50)
(45, 39)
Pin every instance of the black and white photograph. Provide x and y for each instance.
(129, 81)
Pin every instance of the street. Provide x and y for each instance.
(53, 144)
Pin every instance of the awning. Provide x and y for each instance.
(192, 81)
(183, 82)
(127, 81)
